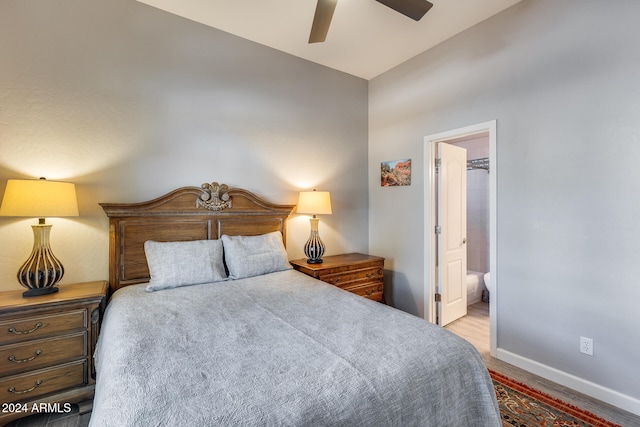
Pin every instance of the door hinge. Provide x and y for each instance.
(438, 229)
(438, 297)
(438, 163)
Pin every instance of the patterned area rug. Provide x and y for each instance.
(523, 406)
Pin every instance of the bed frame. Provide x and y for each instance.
(188, 213)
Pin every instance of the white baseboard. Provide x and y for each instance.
(596, 391)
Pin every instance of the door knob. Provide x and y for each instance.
(464, 241)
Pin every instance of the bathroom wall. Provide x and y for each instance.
(478, 220)
(477, 205)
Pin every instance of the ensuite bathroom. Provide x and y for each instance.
(478, 190)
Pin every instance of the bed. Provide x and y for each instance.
(254, 342)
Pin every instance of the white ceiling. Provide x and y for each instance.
(365, 39)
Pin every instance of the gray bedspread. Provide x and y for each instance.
(281, 349)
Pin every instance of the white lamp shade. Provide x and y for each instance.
(39, 198)
(314, 202)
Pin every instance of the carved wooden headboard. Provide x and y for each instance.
(188, 213)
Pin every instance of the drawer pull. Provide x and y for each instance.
(14, 391)
(35, 328)
(12, 358)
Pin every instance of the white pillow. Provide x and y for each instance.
(248, 256)
(174, 264)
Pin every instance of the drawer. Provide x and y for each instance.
(36, 354)
(347, 278)
(373, 291)
(24, 329)
(38, 383)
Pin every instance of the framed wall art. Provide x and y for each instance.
(395, 172)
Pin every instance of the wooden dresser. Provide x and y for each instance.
(358, 273)
(46, 348)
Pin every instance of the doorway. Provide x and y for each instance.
(431, 306)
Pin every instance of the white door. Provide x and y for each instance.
(452, 237)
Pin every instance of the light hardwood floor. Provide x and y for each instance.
(474, 327)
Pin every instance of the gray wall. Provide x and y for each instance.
(561, 79)
(130, 102)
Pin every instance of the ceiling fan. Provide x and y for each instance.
(414, 9)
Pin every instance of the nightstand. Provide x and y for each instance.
(358, 273)
(46, 348)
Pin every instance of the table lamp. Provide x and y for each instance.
(39, 198)
(315, 203)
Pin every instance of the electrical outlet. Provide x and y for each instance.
(586, 346)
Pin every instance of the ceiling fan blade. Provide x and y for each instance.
(322, 20)
(414, 9)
